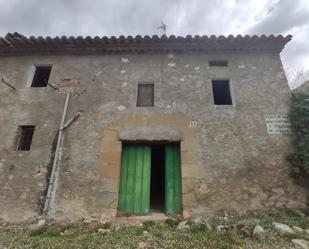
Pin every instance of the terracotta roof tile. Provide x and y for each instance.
(17, 44)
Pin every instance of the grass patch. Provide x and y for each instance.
(46, 231)
(163, 235)
(148, 224)
(106, 225)
(172, 222)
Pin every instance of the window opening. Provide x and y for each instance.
(218, 63)
(145, 94)
(25, 137)
(41, 76)
(221, 92)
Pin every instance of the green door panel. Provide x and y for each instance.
(172, 179)
(134, 193)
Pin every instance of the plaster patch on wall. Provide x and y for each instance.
(197, 68)
(172, 64)
(124, 60)
(122, 71)
(62, 91)
(92, 122)
(241, 66)
(170, 56)
(182, 79)
(188, 65)
(97, 73)
(68, 81)
(121, 108)
(124, 84)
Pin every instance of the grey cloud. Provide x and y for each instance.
(296, 54)
(284, 16)
(133, 17)
(289, 17)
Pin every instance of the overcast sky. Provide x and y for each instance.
(182, 17)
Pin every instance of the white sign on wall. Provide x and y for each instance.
(278, 124)
(193, 124)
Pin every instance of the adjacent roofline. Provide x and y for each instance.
(17, 44)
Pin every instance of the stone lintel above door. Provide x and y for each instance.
(151, 133)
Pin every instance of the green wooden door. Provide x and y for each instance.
(172, 179)
(134, 195)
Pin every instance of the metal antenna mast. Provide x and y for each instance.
(163, 27)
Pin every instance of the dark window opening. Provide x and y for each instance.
(25, 134)
(157, 181)
(221, 92)
(145, 94)
(218, 63)
(41, 76)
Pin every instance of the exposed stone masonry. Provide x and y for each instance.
(229, 161)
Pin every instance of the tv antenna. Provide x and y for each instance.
(163, 27)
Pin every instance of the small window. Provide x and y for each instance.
(41, 76)
(25, 133)
(145, 94)
(218, 63)
(221, 92)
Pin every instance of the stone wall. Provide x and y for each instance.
(229, 161)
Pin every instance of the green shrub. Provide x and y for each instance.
(299, 116)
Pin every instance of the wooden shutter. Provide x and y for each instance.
(172, 179)
(145, 94)
(134, 195)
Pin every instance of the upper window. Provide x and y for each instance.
(41, 76)
(218, 63)
(145, 94)
(221, 92)
(25, 134)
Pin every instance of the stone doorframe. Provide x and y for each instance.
(154, 127)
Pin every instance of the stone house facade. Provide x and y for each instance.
(94, 127)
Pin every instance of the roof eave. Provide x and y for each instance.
(15, 44)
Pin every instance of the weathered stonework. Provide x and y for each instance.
(229, 161)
